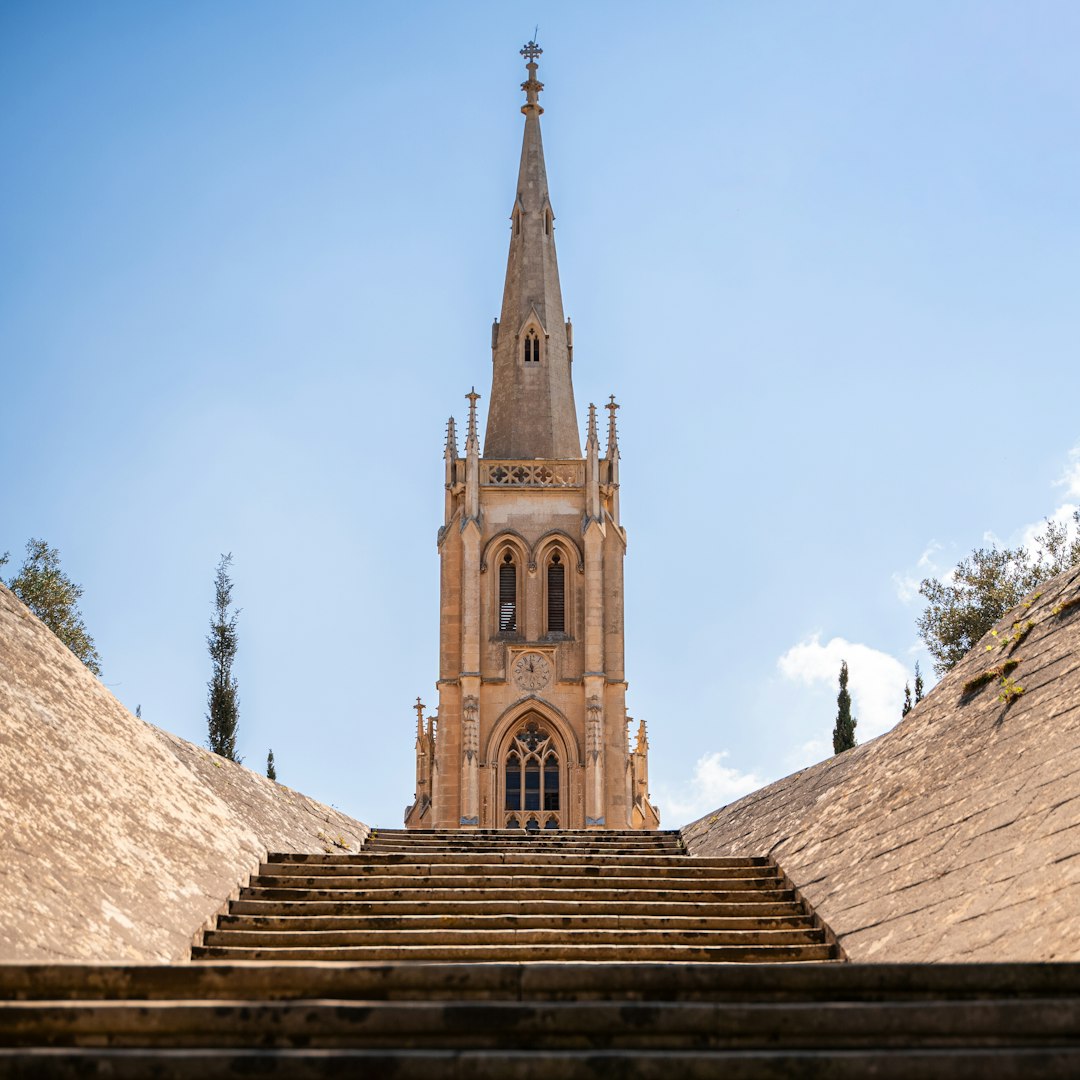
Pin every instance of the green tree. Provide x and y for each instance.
(918, 683)
(843, 736)
(52, 596)
(224, 702)
(906, 707)
(271, 772)
(984, 586)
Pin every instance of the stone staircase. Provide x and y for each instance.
(516, 896)
(543, 957)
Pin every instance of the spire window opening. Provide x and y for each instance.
(507, 595)
(532, 348)
(556, 595)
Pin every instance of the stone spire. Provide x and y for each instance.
(532, 412)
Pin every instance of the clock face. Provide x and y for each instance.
(532, 671)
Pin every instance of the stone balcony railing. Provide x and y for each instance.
(542, 474)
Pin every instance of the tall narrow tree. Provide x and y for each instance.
(52, 596)
(907, 706)
(224, 702)
(843, 736)
(271, 772)
(918, 684)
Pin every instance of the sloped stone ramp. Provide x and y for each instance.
(440, 997)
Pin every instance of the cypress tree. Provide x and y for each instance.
(918, 684)
(271, 772)
(224, 703)
(907, 701)
(843, 736)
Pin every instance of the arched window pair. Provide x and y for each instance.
(556, 595)
(532, 781)
(532, 347)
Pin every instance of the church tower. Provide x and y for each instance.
(531, 727)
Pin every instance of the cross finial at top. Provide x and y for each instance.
(531, 51)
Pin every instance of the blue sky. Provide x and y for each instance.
(826, 254)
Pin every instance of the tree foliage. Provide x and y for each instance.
(907, 706)
(918, 683)
(985, 585)
(53, 597)
(271, 772)
(843, 736)
(223, 717)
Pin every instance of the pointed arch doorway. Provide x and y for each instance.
(532, 778)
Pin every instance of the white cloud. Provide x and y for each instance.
(876, 679)
(713, 785)
(907, 583)
(1061, 516)
(1070, 478)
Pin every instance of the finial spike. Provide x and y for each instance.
(472, 440)
(613, 432)
(532, 86)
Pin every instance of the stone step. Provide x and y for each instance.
(436, 890)
(491, 936)
(532, 953)
(451, 907)
(542, 1025)
(466, 878)
(616, 981)
(944, 1063)
(502, 862)
(438, 919)
(490, 846)
(552, 835)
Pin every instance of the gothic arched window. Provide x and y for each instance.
(507, 595)
(532, 347)
(556, 595)
(532, 780)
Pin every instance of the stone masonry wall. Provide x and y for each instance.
(955, 836)
(118, 840)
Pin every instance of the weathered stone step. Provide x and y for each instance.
(436, 890)
(676, 954)
(483, 846)
(501, 862)
(542, 982)
(546, 1025)
(438, 919)
(452, 937)
(945, 1063)
(545, 908)
(445, 836)
(1014, 1063)
(466, 879)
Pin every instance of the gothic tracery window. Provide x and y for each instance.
(532, 780)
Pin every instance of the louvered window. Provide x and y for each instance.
(508, 595)
(556, 595)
